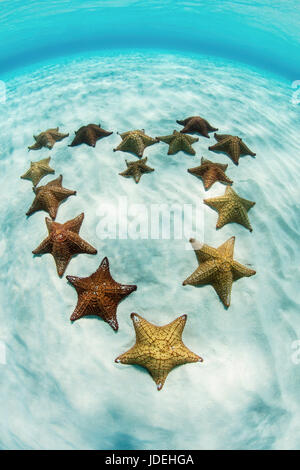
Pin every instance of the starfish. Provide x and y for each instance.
(158, 348)
(210, 172)
(232, 145)
(217, 268)
(135, 142)
(89, 135)
(63, 242)
(100, 295)
(178, 141)
(137, 169)
(231, 208)
(196, 124)
(47, 139)
(49, 197)
(38, 170)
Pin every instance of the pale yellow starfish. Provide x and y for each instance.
(231, 208)
(217, 268)
(38, 170)
(158, 348)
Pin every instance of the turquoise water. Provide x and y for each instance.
(144, 66)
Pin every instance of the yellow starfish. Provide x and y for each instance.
(217, 268)
(38, 170)
(158, 348)
(136, 169)
(178, 141)
(47, 139)
(135, 142)
(231, 208)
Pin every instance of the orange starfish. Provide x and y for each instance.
(63, 242)
(210, 172)
(99, 294)
(49, 197)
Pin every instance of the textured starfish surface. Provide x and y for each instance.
(38, 170)
(47, 139)
(63, 242)
(196, 124)
(100, 295)
(49, 197)
(137, 169)
(231, 208)
(158, 348)
(135, 142)
(232, 145)
(217, 268)
(178, 141)
(89, 135)
(210, 172)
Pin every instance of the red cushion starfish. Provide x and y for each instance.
(99, 294)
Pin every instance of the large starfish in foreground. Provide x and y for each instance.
(100, 295)
(210, 173)
(49, 197)
(135, 142)
(158, 348)
(232, 145)
(231, 208)
(136, 169)
(38, 170)
(47, 139)
(89, 135)
(63, 242)
(178, 141)
(196, 124)
(217, 268)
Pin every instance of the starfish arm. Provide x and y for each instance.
(234, 151)
(62, 193)
(221, 146)
(37, 205)
(137, 174)
(108, 313)
(147, 140)
(245, 150)
(102, 273)
(44, 247)
(184, 122)
(222, 284)
(239, 271)
(198, 171)
(144, 330)
(240, 216)
(191, 139)
(167, 139)
(226, 249)
(81, 284)
(83, 308)
(62, 257)
(203, 252)
(186, 147)
(57, 136)
(28, 176)
(209, 127)
(216, 202)
(204, 274)
(76, 141)
(56, 182)
(126, 173)
(77, 245)
(220, 137)
(247, 204)
(50, 204)
(35, 146)
(75, 224)
(222, 177)
(173, 331)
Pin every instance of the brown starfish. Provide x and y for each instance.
(137, 169)
(210, 172)
(89, 135)
(47, 139)
(63, 242)
(196, 124)
(100, 295)
(49, 197)
(232, 145)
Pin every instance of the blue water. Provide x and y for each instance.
(143, 65)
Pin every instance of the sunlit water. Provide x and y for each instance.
(60, 387)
